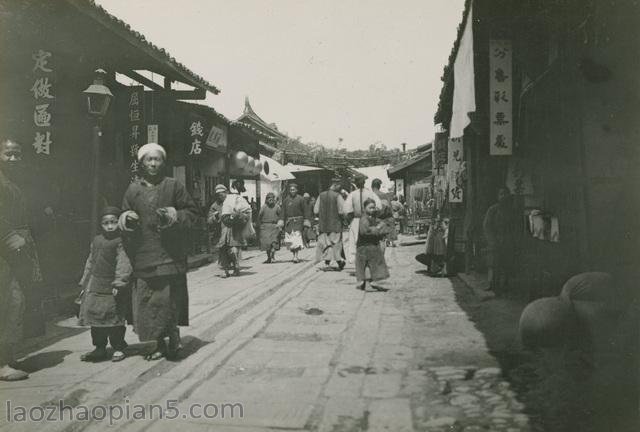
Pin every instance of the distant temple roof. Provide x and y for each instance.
(250, 117)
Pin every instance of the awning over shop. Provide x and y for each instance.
(397, 169)
(277, 172)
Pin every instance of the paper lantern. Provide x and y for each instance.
(258, 168)
(241, 159)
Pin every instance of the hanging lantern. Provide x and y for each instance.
(258, 168)
(241, 159)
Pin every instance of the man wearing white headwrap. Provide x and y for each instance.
(158, 212)
(151, 148)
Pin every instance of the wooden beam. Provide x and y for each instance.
(142, 80)
(195, 94)
(167, 83)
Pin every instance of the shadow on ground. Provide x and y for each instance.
(42, 361)
(562, 390)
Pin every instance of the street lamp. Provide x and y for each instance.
(98, 99)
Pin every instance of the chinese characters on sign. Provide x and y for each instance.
(43, 95)
(196, 132)
(217, 138)
(152, 133)
(500, 98)
(135, 117)
(454, 169)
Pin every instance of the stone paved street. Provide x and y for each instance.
(301, 349)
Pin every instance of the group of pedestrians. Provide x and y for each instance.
(135, 271)
(136, 268)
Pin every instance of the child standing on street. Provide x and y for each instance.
(105, 280)
(369, 254)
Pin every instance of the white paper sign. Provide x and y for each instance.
(500, 98)
(152, 133)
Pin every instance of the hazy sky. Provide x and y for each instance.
(362, 70)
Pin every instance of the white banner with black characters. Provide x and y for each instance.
(500, 98)
(454, 168)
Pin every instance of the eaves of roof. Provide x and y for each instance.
(124, 30)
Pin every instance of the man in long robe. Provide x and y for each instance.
(295, 217)
(500, 229)
(19, 268)
(354, 208)
(329, 245)
(158, 212)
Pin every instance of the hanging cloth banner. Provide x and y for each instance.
(464, 92)
(500, 98)
(454, 169)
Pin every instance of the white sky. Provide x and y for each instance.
(362, 70)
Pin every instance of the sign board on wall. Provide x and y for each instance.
(500, 98)
(217, 138)
(135, 124)
(44, 95)
(454, 168)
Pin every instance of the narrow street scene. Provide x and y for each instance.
(320, 216)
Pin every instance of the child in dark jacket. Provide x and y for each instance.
(106, 276)
(369, 253)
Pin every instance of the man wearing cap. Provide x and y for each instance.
(215, 212)
(236, 228)
(329, 246)
(157, 214)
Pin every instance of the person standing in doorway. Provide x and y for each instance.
(295, 218)
(157, 214)
(329, 245)
(500, 229)
(19, 266)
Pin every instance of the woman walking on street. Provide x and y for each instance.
(236, 228)
(270, 219)
(158, 212)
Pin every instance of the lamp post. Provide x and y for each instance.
(98, 99)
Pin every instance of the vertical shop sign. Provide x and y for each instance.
(43, 95)
(440, 154)
(500, 98)
(135, 117)
(152, 133)
(454, 169)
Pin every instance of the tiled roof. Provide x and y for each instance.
(98, 13)
(406, 164)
